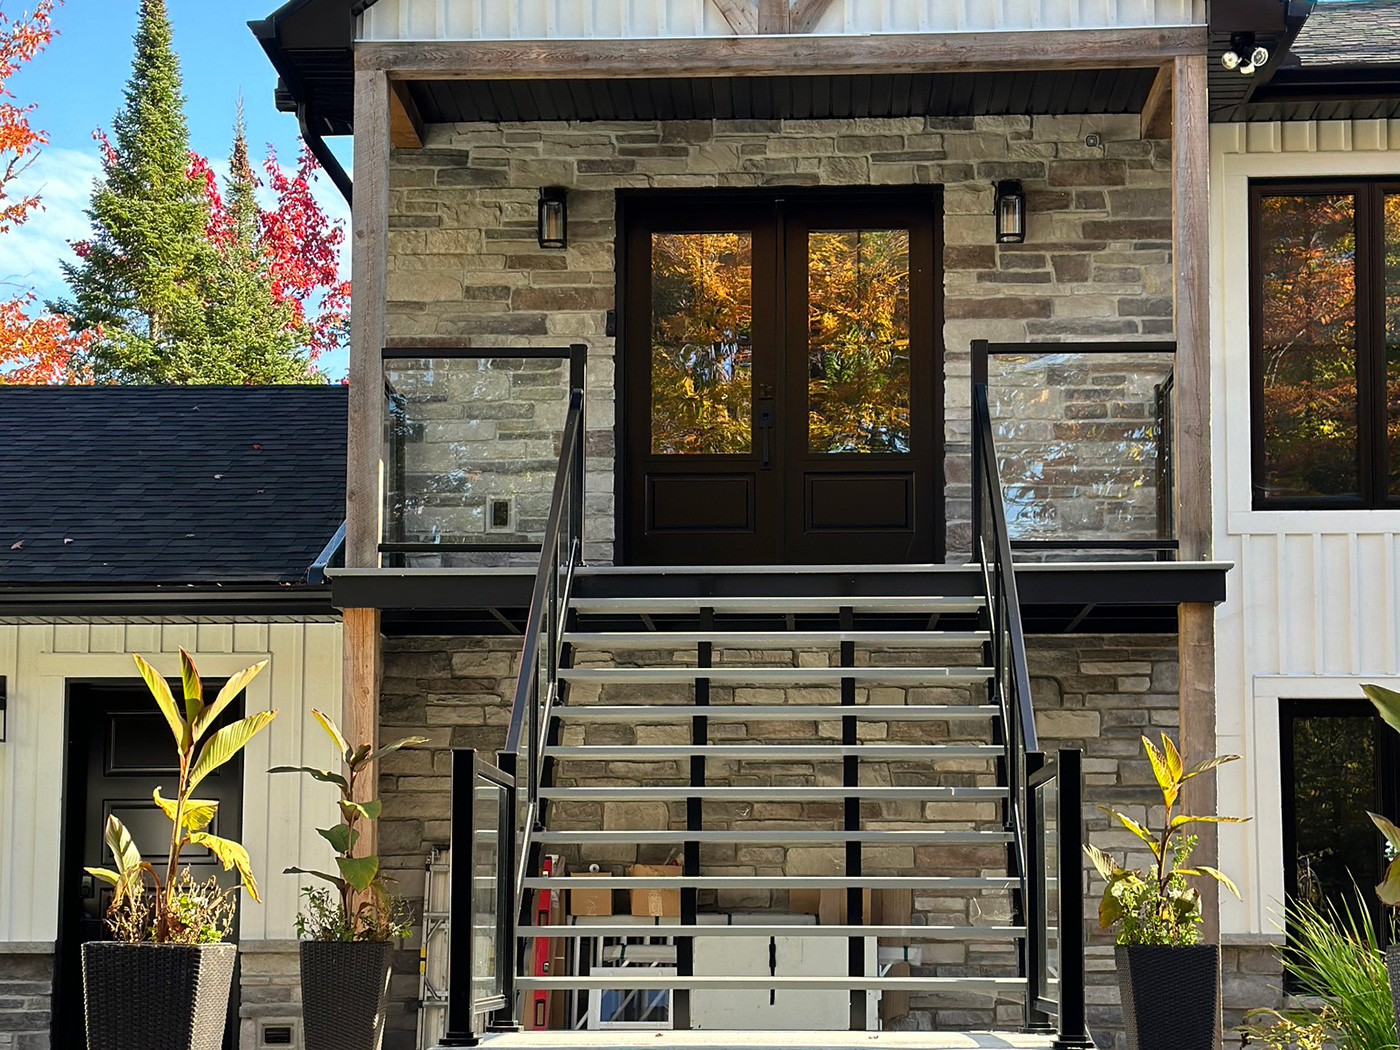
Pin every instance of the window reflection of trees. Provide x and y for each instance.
(701, 343)
(858, 341)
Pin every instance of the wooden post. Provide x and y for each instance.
(365, 444)
(1195, 622)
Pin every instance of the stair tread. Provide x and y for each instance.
(759, 929)
(801, 882)
(805, 792)
(638, 978)
(756, 639)
(897, 603)
(734, 712)
(651, 1039)
(772, 752)
(892, 837)
(747, 674)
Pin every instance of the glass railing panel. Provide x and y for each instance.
(1083, 445)
(489, 809)
(1050, 808)
(471, 450)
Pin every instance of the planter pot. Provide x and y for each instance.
(1392, 965)
(156, 996)
(344, 994)
(1170, 996)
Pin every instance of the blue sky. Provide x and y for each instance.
(77, 84)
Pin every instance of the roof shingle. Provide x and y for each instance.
(1350, 33)
(207, 484)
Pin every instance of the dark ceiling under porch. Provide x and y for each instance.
(1039, 93)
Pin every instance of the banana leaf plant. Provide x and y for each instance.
(1159, 905)
(190, 725)
(1387, 705)
(367, 911)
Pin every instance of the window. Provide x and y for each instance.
(1339, 760)
(1326, 344)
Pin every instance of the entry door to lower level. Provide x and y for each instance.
(782, 384)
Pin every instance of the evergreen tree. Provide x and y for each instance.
(253, 336)
(141, 274)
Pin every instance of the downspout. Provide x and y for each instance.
(322, 152)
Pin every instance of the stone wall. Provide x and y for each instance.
(1099, 693)
(269, 975)
(465, 268)
(26, 991)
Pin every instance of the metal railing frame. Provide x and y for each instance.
(1029, 771)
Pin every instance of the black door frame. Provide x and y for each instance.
(67, 991)
(925, 196)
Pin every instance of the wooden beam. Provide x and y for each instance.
(405, 122)
(742, 15)
(1157, 110)
(807, 13)
(359, 706)
(801, 55)
(368, 273)
(774, 16)
(1190, 136)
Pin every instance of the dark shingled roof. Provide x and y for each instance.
(1350, 33)
(148, 485)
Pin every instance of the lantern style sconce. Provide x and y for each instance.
(1010, 212)
(554, 217)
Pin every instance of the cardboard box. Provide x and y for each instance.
(832, 908)
(665, 904)
(591, 902)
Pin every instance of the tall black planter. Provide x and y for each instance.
(1392, 965)
(156, 996)
(1170, 995)
(344, 994)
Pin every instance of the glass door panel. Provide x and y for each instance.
(701, 343)
(858, 341)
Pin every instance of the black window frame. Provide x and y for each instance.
(1372, 447)
(1387, 797)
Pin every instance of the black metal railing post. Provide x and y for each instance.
(507, 1018)
(463, 921)
(1074, 1030)
(1037, 899)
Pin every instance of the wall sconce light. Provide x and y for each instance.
(1011, 212)
(554, 217)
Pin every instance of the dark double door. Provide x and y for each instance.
(782, 380)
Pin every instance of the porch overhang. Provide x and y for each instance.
(1084, 597)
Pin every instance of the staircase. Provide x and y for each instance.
(785, 739)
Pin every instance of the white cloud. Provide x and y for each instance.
(30, 254)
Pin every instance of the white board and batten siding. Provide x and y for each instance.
(279, 813)
(1314, 599)
(647, 19)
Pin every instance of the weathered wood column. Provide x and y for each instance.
(365, 445)
(1194, 525)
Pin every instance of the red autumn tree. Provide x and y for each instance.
(42, 348)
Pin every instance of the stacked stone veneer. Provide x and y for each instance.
(1099, 693)
(26, 990)
(465, 268)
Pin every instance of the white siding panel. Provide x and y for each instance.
(279, 819)
(1313, 609)
(614, 19)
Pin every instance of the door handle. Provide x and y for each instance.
(765, 423)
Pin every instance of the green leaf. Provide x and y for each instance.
(198, 813)
(341, 838)
(359, 872)
(1386, 702)
(359, 756)
(1208, 765)
(1183, 820)
(323, 775)
(1133, 826)
(226, 743)
(370, 810)
(1161, 770)
(1173, 758)
(333, 731)
(128, 858)
(1388, 890)
(1103, 863)
(160, 689)
(106, 875)
(408, 741)
(1389, 830)
(232, 688)
(1220, 877)
(335, 881)
(194, 688)
(231, 855)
